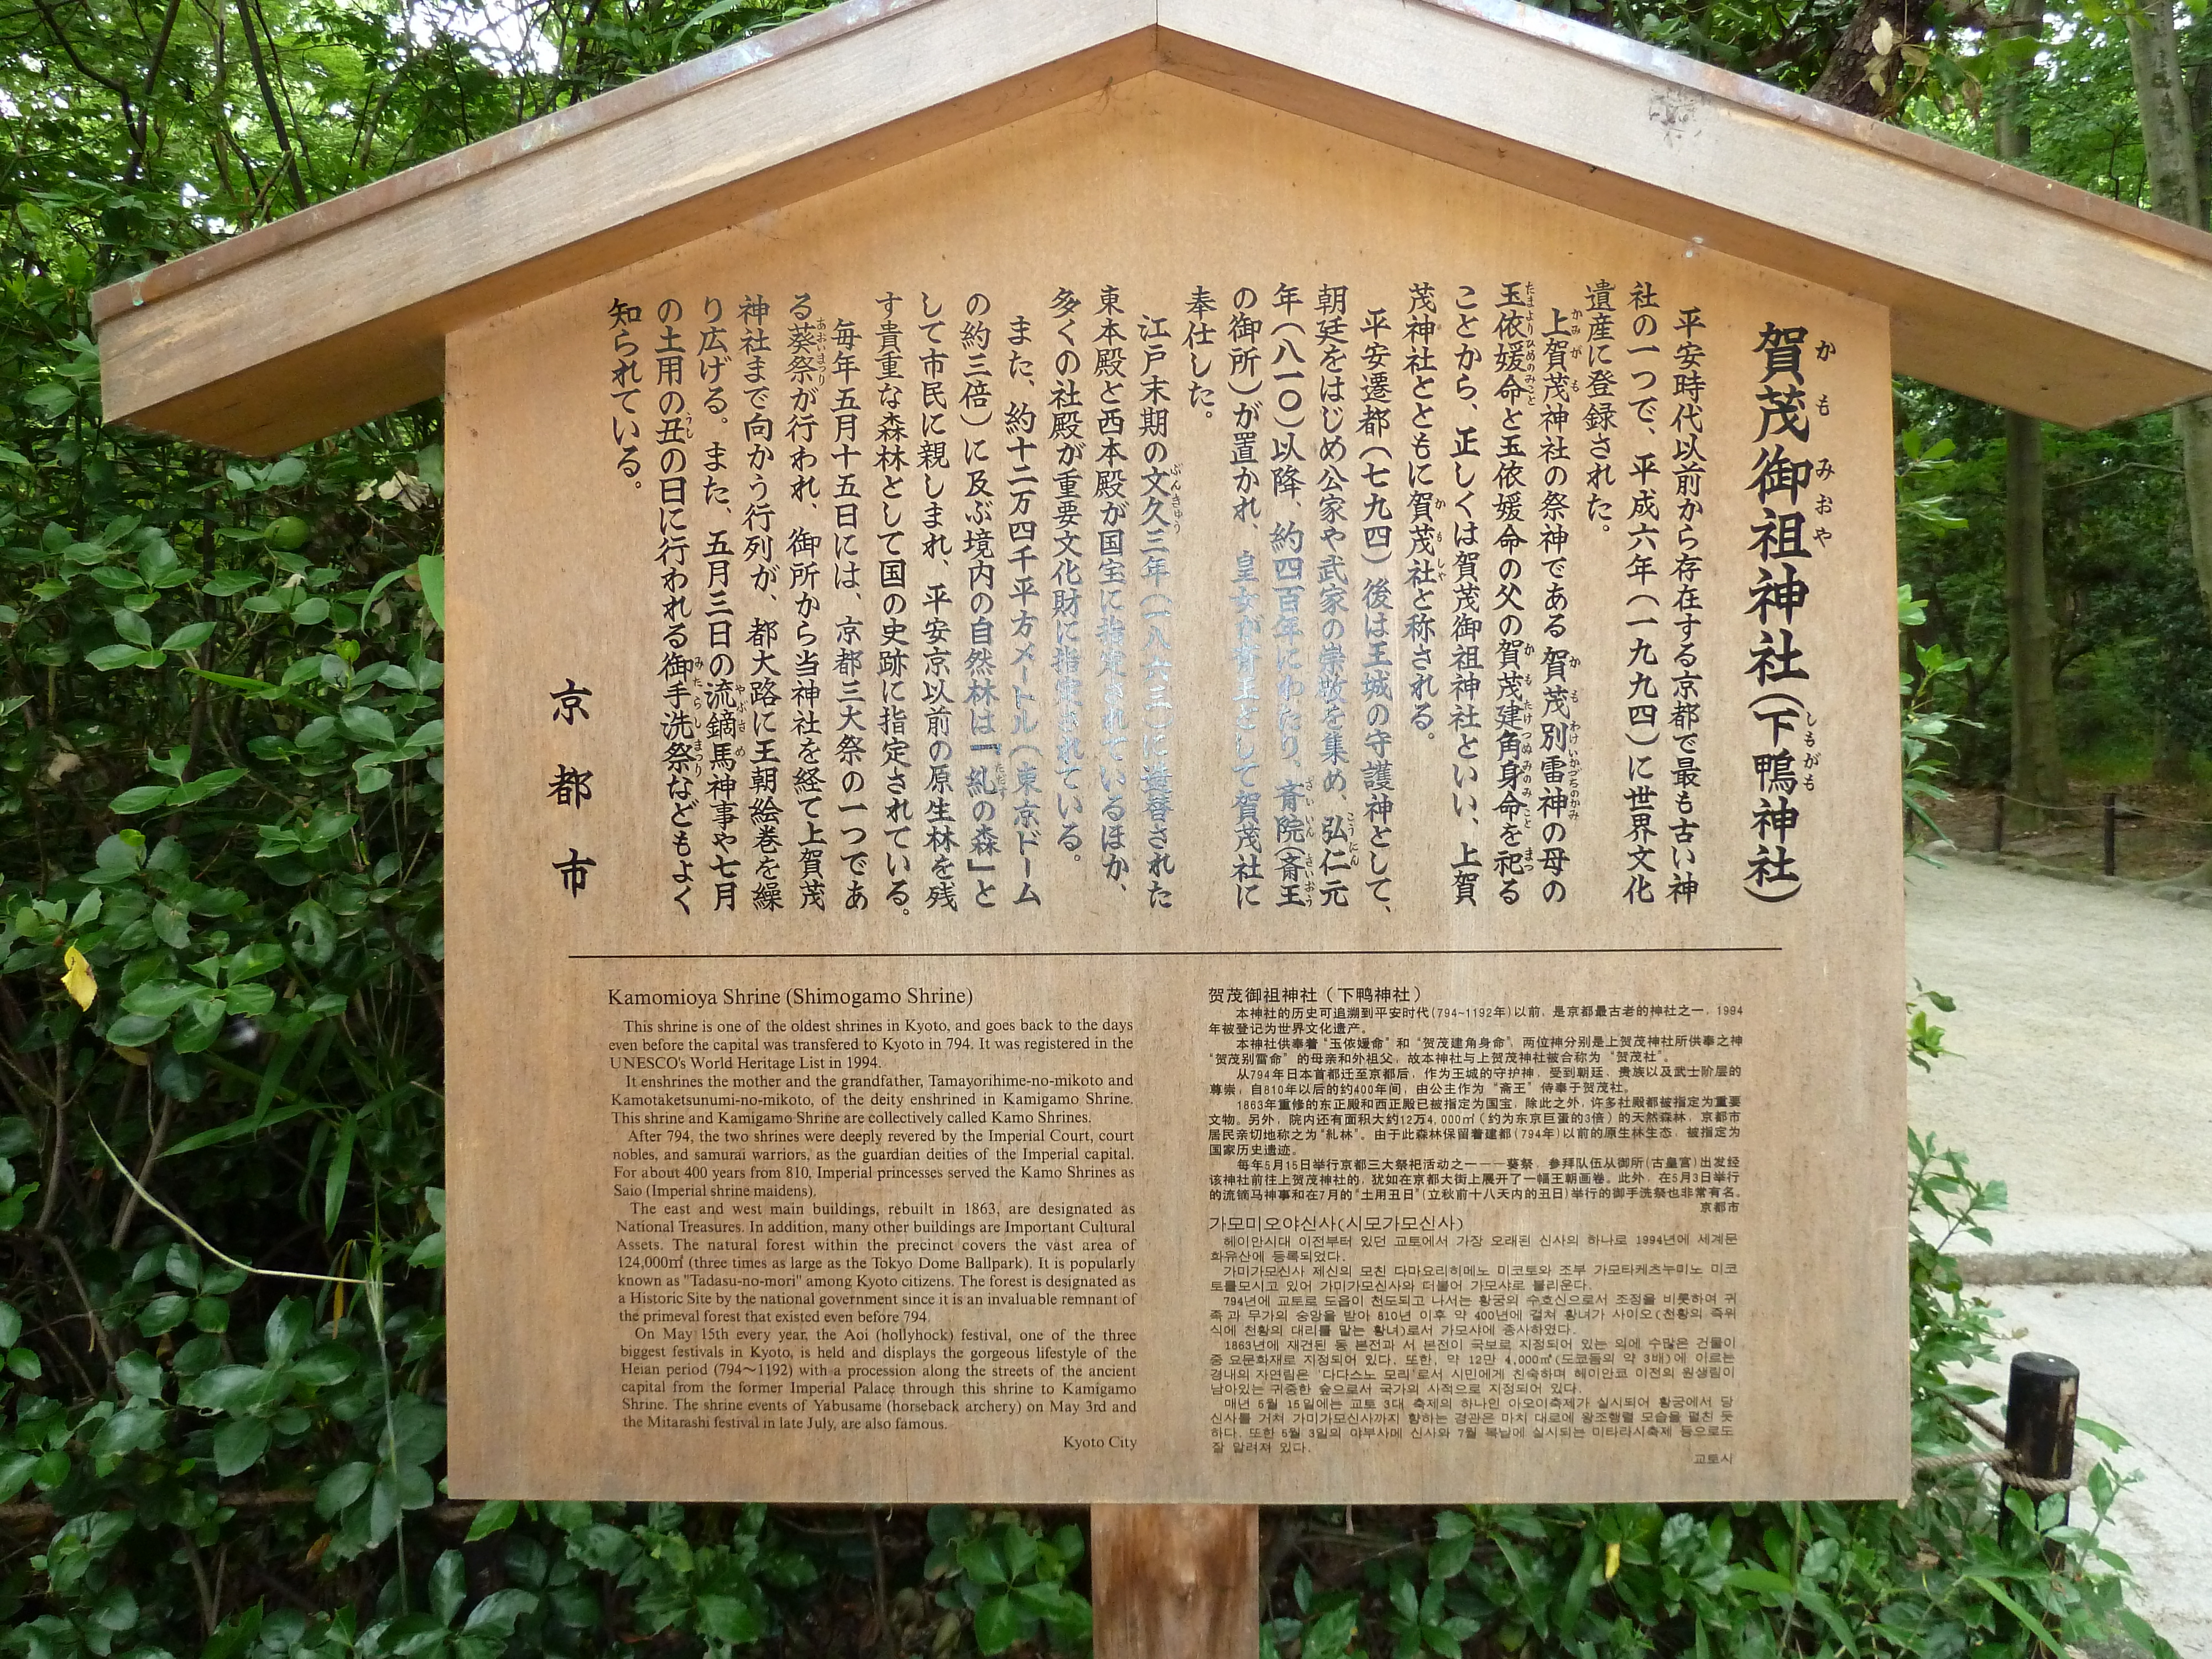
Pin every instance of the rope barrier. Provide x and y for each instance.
(1956, 1461)
(2131, 812)
(1999, 1460)
(1988, 1425)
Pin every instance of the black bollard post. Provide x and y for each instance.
(2112, 825)
(2039, 1404)
(1997, 835)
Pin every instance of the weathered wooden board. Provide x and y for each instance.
(332, 315)
(1174, 1581)
(1172, 807)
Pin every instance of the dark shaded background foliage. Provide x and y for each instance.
(2134, 654)
(220, 967)
(2134, 650)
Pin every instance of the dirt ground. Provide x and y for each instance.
(2082, 1071)
(2161, 831)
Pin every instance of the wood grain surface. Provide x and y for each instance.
(1174, 1581)
(1221, 1076)
(338, 312)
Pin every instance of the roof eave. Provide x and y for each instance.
(338, 313)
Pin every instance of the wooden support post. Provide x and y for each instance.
(2039, 1404)
(1174, 1581)
(2112, 841)
(1996, 835)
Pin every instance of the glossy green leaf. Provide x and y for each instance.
(198, 789)
(979, 1560)
(140, 1373)
(163, 1313)
(334, 1174)
(289, 1326)
(497, 1614)
(730, 1618)
(366, 724)
(1000, 1622)
(235, 1388)
(342, 1488)
(449, 1586)
(117, 1608)
(239, 1445)
(132, 1429)
(430, 570)
(136, 1030)
(16, 1469)
(158, 999)
(496, 1515)
(190, 637)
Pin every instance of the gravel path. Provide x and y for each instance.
(2082, 1076)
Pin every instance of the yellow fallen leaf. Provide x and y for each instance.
(132, 1056)
(76, 977)
(1612, 1561)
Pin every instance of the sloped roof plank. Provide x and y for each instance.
(2008, 287)
(324, 329)
(2001, 284)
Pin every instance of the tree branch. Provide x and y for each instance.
(1843, 80)
(145, 1169)
(145, 123)
(268, 102)
(62, 40)
(84, 1297)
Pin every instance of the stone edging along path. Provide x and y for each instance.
(2090, 1249)
(2196, 898)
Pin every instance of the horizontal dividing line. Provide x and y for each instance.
(971, 956)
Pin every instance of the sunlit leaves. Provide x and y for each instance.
(1008, 1578)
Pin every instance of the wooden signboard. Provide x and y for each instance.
(1174, 806)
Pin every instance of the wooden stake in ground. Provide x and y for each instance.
(1174, 1581)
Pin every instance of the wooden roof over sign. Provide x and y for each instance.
(2001, 284)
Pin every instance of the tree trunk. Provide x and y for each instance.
(2197, 82)
(2038, 769)
(1857, 77)
(2169, 762)
(2171, 158)
(2192, 430)
(2169, 143)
